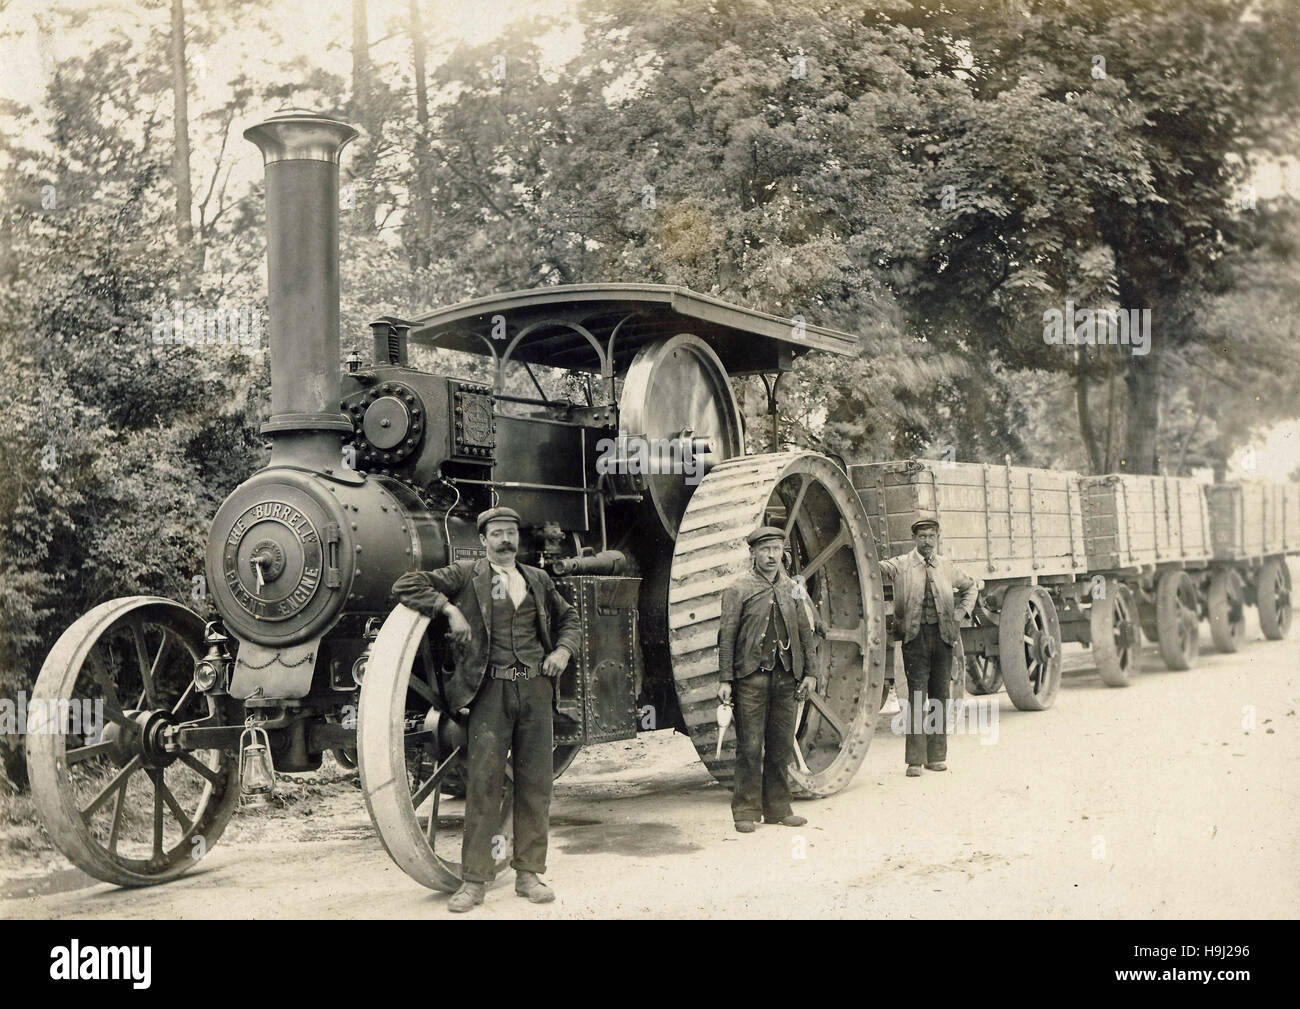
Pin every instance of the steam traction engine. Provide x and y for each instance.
(381, 469)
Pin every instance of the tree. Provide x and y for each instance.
(181, 126)
(1100, 158)
(769, 156)
(107, 421)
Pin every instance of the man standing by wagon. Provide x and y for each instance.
(513, 634)
(765, 648)
(926, 618)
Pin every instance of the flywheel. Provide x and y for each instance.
(676, 390)
(832, 556)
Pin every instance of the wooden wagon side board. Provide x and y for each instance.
(1253, 518)
(997, 521)
(1136, 522)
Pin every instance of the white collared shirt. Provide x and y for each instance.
(514, 579)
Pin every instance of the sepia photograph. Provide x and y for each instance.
(650, 459)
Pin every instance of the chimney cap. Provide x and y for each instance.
(294, 134)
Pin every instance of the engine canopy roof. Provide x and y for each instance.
(600, 327)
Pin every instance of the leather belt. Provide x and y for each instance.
(512, 672)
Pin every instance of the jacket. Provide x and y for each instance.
(746, 606)
(908, 575)
(468, 585)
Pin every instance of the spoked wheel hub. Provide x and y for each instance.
(152, 726)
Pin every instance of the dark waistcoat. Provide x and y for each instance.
(513, 634)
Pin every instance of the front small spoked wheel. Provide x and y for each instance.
(117, 799)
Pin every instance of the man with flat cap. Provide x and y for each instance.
(927, 618)
(765, 656)
(513, 634)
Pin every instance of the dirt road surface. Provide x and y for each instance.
(1176, 797)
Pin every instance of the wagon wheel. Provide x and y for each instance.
(983, 671)
(983, 674)
(406, 748)
(1115, 636)
(833, 553)
(1178, 619)
(115, 801)
(1227, 605)
(1273, 597)
(1029, 647)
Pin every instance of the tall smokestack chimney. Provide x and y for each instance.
(301, 152)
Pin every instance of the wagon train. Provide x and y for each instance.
(378, 467)
(1100, 560)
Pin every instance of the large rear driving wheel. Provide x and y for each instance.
(832, 552)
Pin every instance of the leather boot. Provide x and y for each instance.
(528, 885)
(469, 896)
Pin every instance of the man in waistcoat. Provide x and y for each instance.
(926, 617)
(765, 656)
(513, 635)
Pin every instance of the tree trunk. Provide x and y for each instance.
(360, 62)
(1108, 462)
(1180, 469)
(181, 156)
(420, 192)
(360, 197)
(1142, 430)
(1085, 416)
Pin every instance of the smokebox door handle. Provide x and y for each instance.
(332, 578)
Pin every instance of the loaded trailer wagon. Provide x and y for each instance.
(1020, 531)
(1254, 525)
(1148, 546)
(1100, 560)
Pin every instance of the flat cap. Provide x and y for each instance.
(765, 533)
(508, 514)
(924, 519)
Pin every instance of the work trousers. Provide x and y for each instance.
(927, 661)
(508, 716)
(764, 715)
